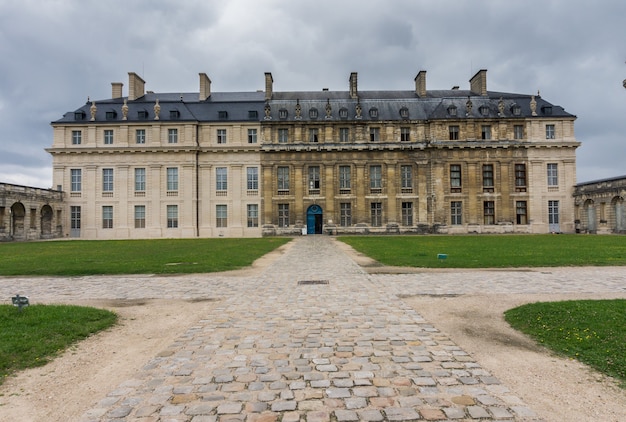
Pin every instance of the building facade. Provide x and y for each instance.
(205, 164)
(600, 206)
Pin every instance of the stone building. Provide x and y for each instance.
(600, 206)
(205, 164)
(28, 213)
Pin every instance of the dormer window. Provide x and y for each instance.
(111, 115)
(343, 113)
(516, 110)
(404, 113)
(174, 114)
(313, 113)
(80, 115)
(484, 110)
(373, 113)
(253, 114)
(282, 113)
(222, 115)
(452, 111)
(142, 114)
(547, 110)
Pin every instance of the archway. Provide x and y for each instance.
(18, 213)
(620, 214)
(591, 216)
(314, 219)
(46, 221)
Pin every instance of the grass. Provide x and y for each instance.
(591, 331)
(492, 251)
(38, 333)
(168, 256)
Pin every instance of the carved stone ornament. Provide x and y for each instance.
(125, 110)
(624, 83)
(329, 110)
(468, 106)
(501, 107)
(298, 110)
(93, 110)
(533, 106)
(359, 110)
(268, 112)
(157, 110)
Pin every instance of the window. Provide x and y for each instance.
(314, 179)
(283, 180)
(107, 217)
(452, 110)
(222, 115)
(344, 178)
(172, 136)
(343, 113)
(75, 217)
(376, 179)
(174, 114)
(282, 113)
(140, 136)
(407, 213)
(76, 137)
(172, 179)
(140, 179)
(314, 135)
(221, 216)
(406, 179)
(488, 177)
(253, 114)
(516, 110)
(518, 132)
(404, 113)
(313, 113)
(553, 174)
(221, 179)
(550, 132)
(484, 110)
(283, 135)
(252, 136)
(142, 114)
(252, 178)
(486, 132)
(79, 115)
(453, 133)
(520, 212)
(553, 212)
(172, 216)
(221, 136)
(110, 115)
(405, 134)
(520, 177)
(253, 215)
(374, 134)
(455, 178)
(373, 113)
(345, 214)
(456, 213)
(376, 214)
(76, 180)
(140, 216)
(283, 215)
(108, 137)
(33, 218)
(107, 180)
(344, 134)
(547, 110)
(489, 212)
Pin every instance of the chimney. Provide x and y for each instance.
(205, 87)
(116, 89)
(135, 86)
(478, 83)
(269, 87)
(420, 83)
(354, 92)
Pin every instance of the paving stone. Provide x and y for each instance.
(401, 414)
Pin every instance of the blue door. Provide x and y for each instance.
(314, 219)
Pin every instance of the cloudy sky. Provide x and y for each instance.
(56, 53)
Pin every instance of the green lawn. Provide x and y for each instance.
(492, 251)
(168, 256)
(591, 331)
(33, 336)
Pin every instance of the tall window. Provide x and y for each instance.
(486, 132)
(376, 214)
(77, 136)
(345, 214)
(107, 180)
(406, 178)
(344, 178)
(456, 213)
(518, 131)
(520, 177)
(314, 135)
(221, 136)
(283, 135)
(253, 215)
(376, 178)
(374, 134)
(107, 217)
(314, 179)
(553, 212)
(252, 178)
(108, 137)
(140, 179)
(172, 136)
(221, 216)
(140, 216)
(283, 215)
(405, 134)
(140, 136)
(521, 212)
(283, 179)
(489, 212)
(172, 216)
(453, 133)
(550, 132)
(553, 174)
(455, 178)
(221, 179)
(252, 136)
(344, 134)
(488, 177)
(172, 178)
(407, 213)
(75, 217)
(76, 180)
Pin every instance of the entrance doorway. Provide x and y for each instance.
(314, 219)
